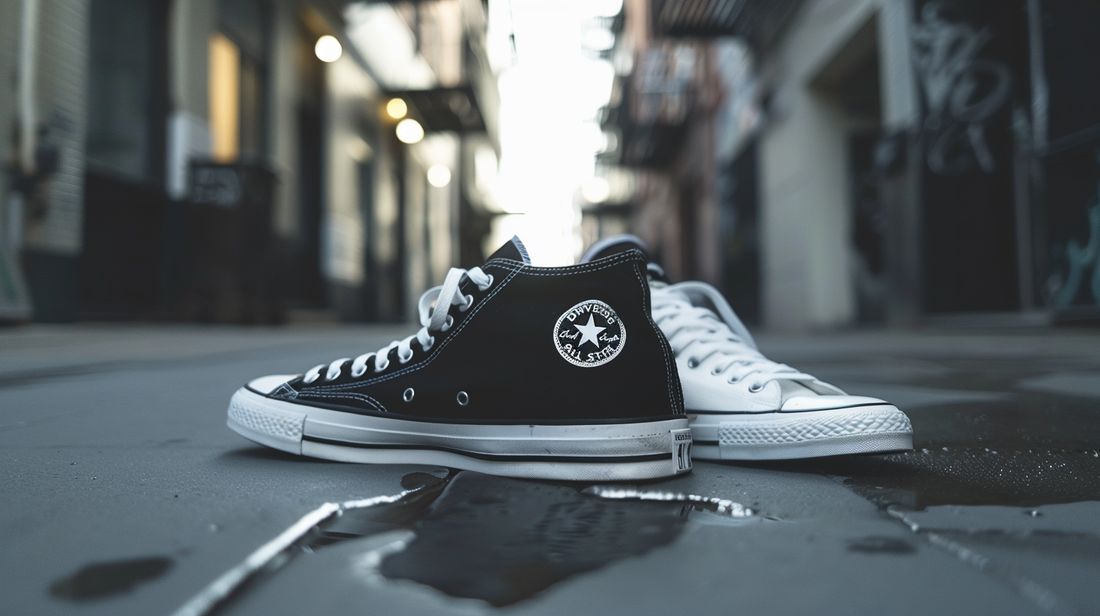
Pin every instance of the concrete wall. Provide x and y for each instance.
(351, 95)
(60, 100)
(805, 196)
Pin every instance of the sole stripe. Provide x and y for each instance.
(493, 456)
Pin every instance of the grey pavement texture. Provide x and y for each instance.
(123, 492)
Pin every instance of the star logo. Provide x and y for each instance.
(589, 334)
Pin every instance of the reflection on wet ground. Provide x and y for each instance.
(1005, 477)
(986, 473)
(101, 580)
(924, 477)
(1021, 448)
(504, 540)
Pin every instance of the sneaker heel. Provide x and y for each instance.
(681, 450)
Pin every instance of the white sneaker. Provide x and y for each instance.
(744, 406)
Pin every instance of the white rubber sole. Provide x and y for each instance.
(810, 434)
(590, 452)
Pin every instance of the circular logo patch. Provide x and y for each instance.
(589, 334)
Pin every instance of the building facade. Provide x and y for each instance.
(846, 161)
(239, 160)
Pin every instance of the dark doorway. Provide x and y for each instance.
(122, 263)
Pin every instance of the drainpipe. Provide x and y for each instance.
(28, 49)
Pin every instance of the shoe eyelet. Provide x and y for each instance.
(431, 343)
(358, 371)
(379, 367)
(755, 388)
(692, 362)
(447, 324)
(309, 379)
(466, 306)
(404, 360)
(715, 371)
(487, 284)
(462, 398)
(408, 395)
(733, 379)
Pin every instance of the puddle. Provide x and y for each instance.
(100, 580)
(504, 540)
(475, 536)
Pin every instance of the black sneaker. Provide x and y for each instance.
(554, 373)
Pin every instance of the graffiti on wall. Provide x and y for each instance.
(962, 91)
(1083, 260)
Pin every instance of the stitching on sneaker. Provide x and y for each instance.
(354, 395)
(669, 374)
(514, 268)
(579, 268)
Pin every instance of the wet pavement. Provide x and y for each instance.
(123, 493)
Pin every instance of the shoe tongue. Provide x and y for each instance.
(794, 388)
(789, 389)
(513, 250)
(621, 243)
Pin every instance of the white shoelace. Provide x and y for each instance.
(702, 334)
(434, 306)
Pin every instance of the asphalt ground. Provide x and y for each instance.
(123, 492)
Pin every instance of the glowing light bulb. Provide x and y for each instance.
(328, 49)
(397, 108)
(410, 131)
(439, 176)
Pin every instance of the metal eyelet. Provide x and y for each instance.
(715, 371)
(463, 398)
(693, 363)
(431, 343)
(755, 387)
(733, 379)
(380, 367)
(404, 360)
(408, 395)
(358, 371)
